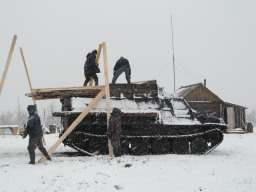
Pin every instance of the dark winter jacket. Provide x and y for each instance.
(90, 65)
(114, 129)
(122, 63)
(34, 128)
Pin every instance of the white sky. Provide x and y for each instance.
(213, 40)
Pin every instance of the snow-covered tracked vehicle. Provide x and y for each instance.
(153, 122)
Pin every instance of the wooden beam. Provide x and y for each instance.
(30, 85)
(69, 88)
(26, 69)
(8, 63)
(107, 93)
(98, 54)
(147, 81)
(75, 123)
(96, 61)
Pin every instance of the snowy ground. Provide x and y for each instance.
(230, 167)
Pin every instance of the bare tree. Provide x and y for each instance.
(7, 118)
(251, 116)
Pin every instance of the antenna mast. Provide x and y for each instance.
(173, 55)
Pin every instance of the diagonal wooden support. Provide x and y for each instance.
(96, 61)
(75, 123)
(8, 62)
(30, 85)
(29, 82)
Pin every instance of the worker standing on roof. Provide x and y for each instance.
(91, 68)
(35, 131)
(115, 131)
(122, 65)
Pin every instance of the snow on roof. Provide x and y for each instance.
(185, 90)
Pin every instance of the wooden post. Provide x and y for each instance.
(107, 93)
(26, 69)
(75, 123)
(30, 85)
(96, 61)
(8, 62)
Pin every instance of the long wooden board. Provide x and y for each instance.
(129, 91)
(75, 123)
(110, 148)
(30, 85)
(96, 61)
(8, 63)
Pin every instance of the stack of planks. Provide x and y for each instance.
(147, 89)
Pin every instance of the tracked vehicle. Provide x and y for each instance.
(153, 122)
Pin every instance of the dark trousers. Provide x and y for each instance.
(116, 148)
(119, 72)
(88, 78)
(33, 143)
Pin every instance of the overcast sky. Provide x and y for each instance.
(213, 40)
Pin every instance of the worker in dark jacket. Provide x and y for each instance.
(35, 132)
(115, 131)
(122, 65)
(91, 68)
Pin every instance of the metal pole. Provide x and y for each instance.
(173, 55)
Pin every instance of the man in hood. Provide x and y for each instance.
(115, 131)
(35, 132)
(91, 68)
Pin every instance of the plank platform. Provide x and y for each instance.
(147, 89)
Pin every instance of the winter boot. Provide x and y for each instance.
(32, 162)
(31, 156)
(48, 158)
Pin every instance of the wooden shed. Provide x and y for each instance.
(204, 101)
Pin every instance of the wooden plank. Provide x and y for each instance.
(30, 85)
(75, 123)
(147, 81)
(8, 63)
(26, 69)
(54, 93)
(98, 54)
(107, 93)
(68, 88)
(97, 60)
(126, 90)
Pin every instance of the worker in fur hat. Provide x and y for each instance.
(115, 131)
(91, 68)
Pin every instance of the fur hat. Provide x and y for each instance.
(95, 51)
